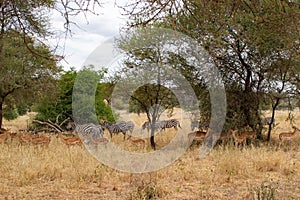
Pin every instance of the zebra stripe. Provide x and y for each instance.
(170, 123)
(129, 126)
(89, 131)
(157, 126)
(116, 128)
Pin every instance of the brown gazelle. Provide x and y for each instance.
(99, 140)
(197, 135)
(250, 134)
(26, 138)
(239, 139)
(4, 137)
(43, 140)
(287, 136)
(13, 134)
(70, 141)
(137, 142)
(4, 130)
(242, 137)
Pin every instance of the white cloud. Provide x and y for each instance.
(93, 31)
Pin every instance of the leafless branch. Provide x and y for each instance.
(50, 124)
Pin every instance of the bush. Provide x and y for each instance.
(59, 103)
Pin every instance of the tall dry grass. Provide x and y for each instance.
(229, 172)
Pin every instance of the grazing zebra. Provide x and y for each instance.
(116, 128)
(129, 126)
(89, 131)
(147, 125)
(170, 123)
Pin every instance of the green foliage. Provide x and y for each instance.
(89, 104)
(24, 76)
(59, 101)
(10, 113)
(148, 95)
(26, 62)
(23, 108)
(84, 91)
(103, 111)
(255, 45)
(151, 70)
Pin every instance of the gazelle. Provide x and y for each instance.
(242, 138)
(287, 136)
(239, 139)
(13, 134)
(249, 134)
(44, 140)
(3, 130)
(4, 137)
(99, 140)
(197, 135)
(25, 138)
(137, 142)
(70, 140)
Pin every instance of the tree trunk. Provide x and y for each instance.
(1, 113)
(274, 106)
(153, 122)
(258, 126)
(152, 142)
(1, 64)
(247, 96)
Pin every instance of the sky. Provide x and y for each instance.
(93, 32)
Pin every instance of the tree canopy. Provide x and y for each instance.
(89, 104)
(27, 64)
(255, 45)
(24, 76)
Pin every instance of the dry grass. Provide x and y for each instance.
(58, 172)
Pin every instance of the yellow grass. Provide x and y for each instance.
(59, 172)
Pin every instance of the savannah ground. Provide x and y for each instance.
(59, 172)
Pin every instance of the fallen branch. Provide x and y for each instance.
(50, 124)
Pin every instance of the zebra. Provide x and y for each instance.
(89, 131)
(129, 126)
(170, 123)
(147, 125)
(116, 128)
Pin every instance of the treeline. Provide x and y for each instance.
(253, 44)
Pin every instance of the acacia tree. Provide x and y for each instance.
(148, 77)
(282, 85)
(246, 39)
(26, 61)
(24, 76)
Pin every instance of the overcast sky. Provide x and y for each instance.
(92, 33)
